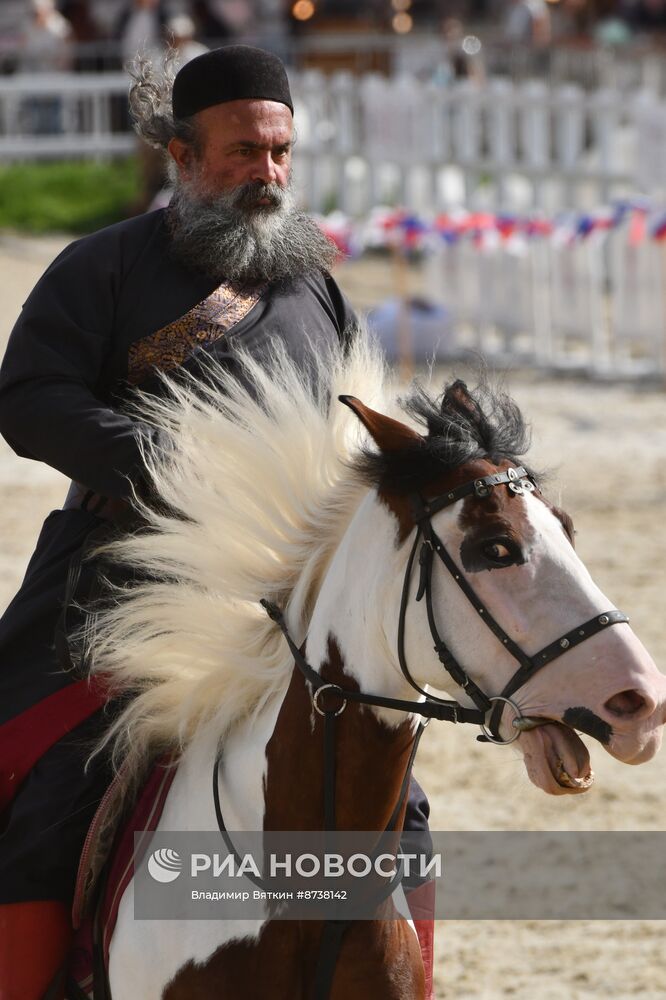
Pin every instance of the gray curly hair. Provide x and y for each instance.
(150, 102)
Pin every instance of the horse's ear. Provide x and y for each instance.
(387, 433)
(457, 399)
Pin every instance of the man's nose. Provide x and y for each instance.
(264, 168)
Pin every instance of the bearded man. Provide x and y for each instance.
(231, 260)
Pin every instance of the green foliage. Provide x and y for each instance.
(67, 196)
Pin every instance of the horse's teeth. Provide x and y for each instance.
(564, 778)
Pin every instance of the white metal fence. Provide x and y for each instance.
(55, 115)
(377, 140)
(370, 140)
(596, 306)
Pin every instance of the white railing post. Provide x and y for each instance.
(569, 136)
(605, 123)
(534, 131)
(542, 316)
(502, 139)
(466, 133)
(346, 117)
(309, 95)
(648, 116)
(600, 345)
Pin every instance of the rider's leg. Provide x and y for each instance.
(421, 898)
(41, 836)
(43, 829)
(34, 942)
(421, 903)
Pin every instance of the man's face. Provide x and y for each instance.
(232, 214)
(241, 142)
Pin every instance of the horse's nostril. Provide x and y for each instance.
(625, 704)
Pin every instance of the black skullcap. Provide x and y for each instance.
(232, 73)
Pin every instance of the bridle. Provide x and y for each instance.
(330, 700)
(519, 482)
(428, 543)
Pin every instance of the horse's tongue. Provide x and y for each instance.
(567, 755)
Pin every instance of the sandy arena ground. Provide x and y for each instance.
(605, 445)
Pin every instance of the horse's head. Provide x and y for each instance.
(503, 589)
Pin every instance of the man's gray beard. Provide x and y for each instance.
(231, 237)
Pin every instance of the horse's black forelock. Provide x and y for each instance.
(459, 425)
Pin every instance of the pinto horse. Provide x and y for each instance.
(403, 553)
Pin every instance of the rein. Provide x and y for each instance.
(445, 711)
(333, 930)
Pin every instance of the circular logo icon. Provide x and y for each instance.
(165, 865)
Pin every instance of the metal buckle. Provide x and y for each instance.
(489, 736)
(524, 485)
(480, 488)
(326, 687)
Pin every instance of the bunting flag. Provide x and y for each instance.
(391, 228)
(341, 231)
(658, 229)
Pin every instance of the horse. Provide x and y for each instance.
(402, 552)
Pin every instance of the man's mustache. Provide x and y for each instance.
(252, 194)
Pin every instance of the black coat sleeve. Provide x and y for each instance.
(50, 408)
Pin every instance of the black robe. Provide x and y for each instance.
(109, 310)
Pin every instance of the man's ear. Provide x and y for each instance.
(387, 433)
(183, 156)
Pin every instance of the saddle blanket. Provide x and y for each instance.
(111, 847)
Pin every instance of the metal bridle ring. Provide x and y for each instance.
(489, 736)
(327, 687)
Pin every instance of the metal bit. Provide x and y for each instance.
(525, 722)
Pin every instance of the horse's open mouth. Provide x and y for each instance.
(557, 760)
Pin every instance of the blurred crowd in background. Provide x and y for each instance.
(459, 37)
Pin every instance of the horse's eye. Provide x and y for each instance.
(479, 554)
(498, 552)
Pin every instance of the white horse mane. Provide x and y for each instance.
(262, 481)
